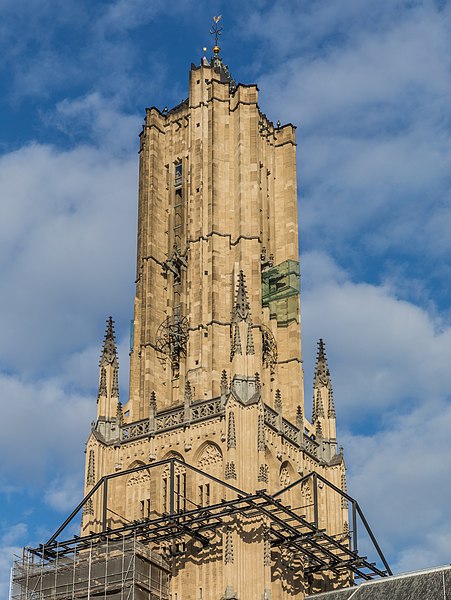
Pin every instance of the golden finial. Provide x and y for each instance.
(216, 31)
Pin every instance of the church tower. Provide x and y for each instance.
(216, 377)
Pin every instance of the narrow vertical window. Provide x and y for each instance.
(178, 175)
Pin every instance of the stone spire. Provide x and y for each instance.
(109, 350)
(323, 414)
(241, 310)
(108, 395)
(322, 374)
(242, 349)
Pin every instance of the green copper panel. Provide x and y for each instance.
(280, 286)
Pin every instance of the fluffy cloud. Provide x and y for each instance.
(374, 139)
(51, 423)
(389, 362)
(63, 269)
(9, 538)
(376, 342)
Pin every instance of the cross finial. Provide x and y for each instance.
(216, 31)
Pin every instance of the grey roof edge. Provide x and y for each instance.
(382, 580)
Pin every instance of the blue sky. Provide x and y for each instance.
(368, 83)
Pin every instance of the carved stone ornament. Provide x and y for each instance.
(231, 433)
(284, 477)
(250, 341)
(138, 478)
(211, 455)
(172, 339)
(269, 349)
(228, 550)
(230, 471)
(90, 475)
(263, 472)
(261, 434)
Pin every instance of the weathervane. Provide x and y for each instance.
(216, 31)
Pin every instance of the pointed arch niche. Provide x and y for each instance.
(138, 494)
(180, 487)
(288, 475)
(208, 458)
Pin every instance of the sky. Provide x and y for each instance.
(368, 84)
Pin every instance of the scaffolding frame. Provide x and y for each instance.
(121, 569)
(319, 550)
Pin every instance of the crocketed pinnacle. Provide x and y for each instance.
(241, 309)
(236, 343)
(109, 350)
(322, 374)
(119, 415)
(188, 392)
(318, 408)
(331, 407)
(153, 402)
(224, 383)
(115, 386)
(299, 418)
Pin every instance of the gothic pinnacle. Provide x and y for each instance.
(224, 383)
(322, 374)
(241, 309)
(318, 430)
(250, 341)
(153, 402)
(331, 405)
(299, 418)
(102, 384)
(119, 415)
(188, 393)
(115, 386)
(109, 351)
(236, 343)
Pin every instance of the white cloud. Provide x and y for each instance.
(99, 120)
(401, 478)
(6, 562)
(62, 216)
(13, 533)
(64, 493)
(127, 14)
(9, 536)
(52, 425)
(374, 139)
(389, 361)
(384, 352)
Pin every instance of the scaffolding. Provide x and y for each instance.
(300, 530)
(118, 570)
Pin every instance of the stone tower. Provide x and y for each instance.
(216, 375)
